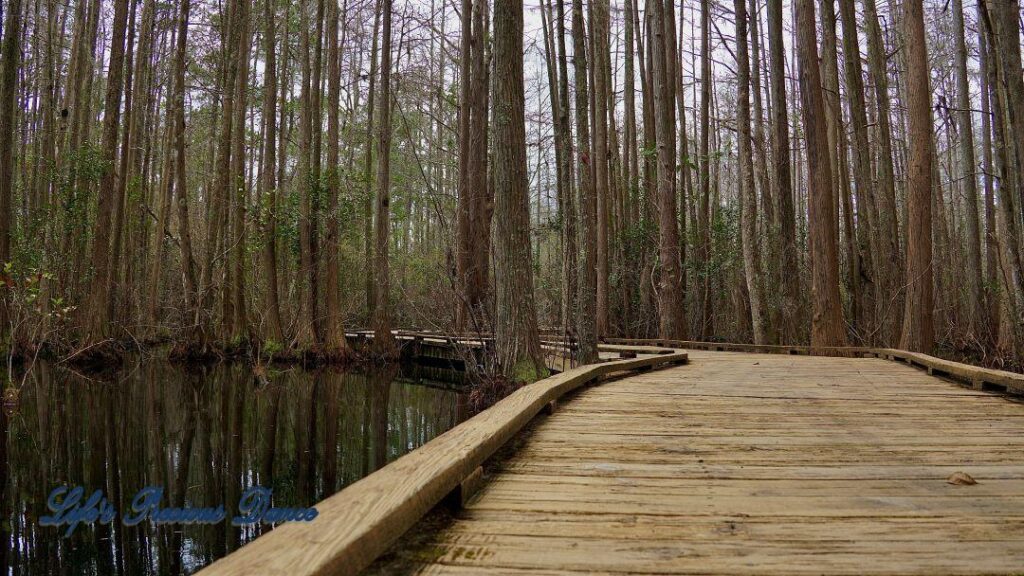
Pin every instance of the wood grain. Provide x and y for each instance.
(754, 463)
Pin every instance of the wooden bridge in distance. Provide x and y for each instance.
(698, 462)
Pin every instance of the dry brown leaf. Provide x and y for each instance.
(961, 479)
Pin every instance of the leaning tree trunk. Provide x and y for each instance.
(918, 332)
(517, 339)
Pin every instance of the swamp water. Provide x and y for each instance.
(205, 435)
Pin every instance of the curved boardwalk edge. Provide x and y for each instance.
(988, 379)
(358, 523)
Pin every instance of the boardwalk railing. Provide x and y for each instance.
(980, 378)
(357, 524)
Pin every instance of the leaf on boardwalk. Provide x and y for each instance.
(961, 479)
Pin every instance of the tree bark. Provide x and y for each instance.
(826, 320)
(383, 339)
(671, 315)
(918, 332)
(601, 72)
(516, 336)
(788, 275)
(98, 305)
(889, 256)
(335, 345)
(586, 320)
(11, 53)
(965, 125)
(748, 194)
(271, 299)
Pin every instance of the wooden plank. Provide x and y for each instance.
(753, 463)
(358, 523)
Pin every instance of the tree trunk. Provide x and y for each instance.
(747, 192)
(368, 175)
(965, 125)
(586, 320)
(569, 213)
(992, 276)
(889, 257)
(601, 72)
(918, 332)
(334, 329)
(383, 340)
(239, 322)
(11, 53)
(671, 316)
(305, 179)
(275, 328)
(185, 231)
(516, 336)
(98, 305)
(703, 240)
(789, 272)
(826, 320)
(867, 213)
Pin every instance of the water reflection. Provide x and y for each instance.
(203, 434)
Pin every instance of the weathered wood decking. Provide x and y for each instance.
(736, 463)
(754, 463)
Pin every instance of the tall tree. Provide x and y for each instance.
(383, 340)
(826, 320)
(275, 328)
(188, 264)
(601, 72)
(474, 208)
(671, 317)
(586, 311)
(335, 345)
(703, 252)
(890, 264)
(517, 339)
(368, 175)
(867, 212)
(11, 53)
(748, 194)
(969, 178)
(306, 336)
(98, 305)
(918, 332)
(788, 269)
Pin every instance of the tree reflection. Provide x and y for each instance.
(202, 434)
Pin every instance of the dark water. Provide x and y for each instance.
(204, 435)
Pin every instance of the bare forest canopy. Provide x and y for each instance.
(238, 175)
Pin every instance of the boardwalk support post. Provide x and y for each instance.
(470, 485)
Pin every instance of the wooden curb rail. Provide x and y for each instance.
(358, 523)
(987, 379)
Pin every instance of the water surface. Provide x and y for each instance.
(204, 435)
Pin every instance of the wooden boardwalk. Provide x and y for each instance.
(750, 464)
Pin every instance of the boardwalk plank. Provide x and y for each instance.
(754, 464)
